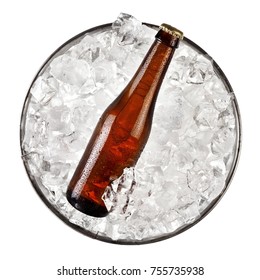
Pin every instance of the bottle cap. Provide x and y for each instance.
(172, 30)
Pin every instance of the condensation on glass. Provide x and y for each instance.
(123, 129)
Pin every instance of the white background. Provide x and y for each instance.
(34, 242)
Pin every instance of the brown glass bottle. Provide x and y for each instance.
(123, 129)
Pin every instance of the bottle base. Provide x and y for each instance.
(87, 206)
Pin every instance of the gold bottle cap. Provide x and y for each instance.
(172, 30)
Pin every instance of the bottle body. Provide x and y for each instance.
(122, 131)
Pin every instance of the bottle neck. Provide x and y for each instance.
(151, 72)
(148, 79)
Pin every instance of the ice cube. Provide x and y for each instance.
(70, 70)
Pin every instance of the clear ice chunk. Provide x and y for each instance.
(127, 28)
(70, 70)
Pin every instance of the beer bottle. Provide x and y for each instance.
(123, 129)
